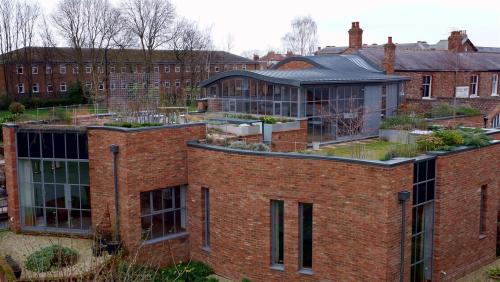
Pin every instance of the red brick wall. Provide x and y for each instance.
(473, 121)
(148, 160)
(444, 83)
(9, 141)
(295, 65)
(457, 246)
(214, 105)
(356, 217)
(292, 140)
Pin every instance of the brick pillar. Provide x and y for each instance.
(355, 36)
(455, 41)
(9, 141)
(389, 56)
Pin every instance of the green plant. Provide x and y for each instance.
(467, 111)
(51, 257)
(246, 280)
(449, 137)
(401, 151)
(16, 108)
(446, 110)
(403, 123)
(5, 101)
(494, 272)
(474, 137)
(429, 142)
(238, 145)
(75, 93)
(132, 124)
(259, 147)
(268, 120)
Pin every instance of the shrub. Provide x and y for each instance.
(474, 137)
(16, 108)
(60, 114)
(467, 111)
(449, 137)
(429, 142)
(75, 93)
(494, 272)
(268, 120)
(239, 145)
(133, 124)
(51, 257)
(401, 151)
(193, 271)
(446, 110)
(31, 103)
(259, 147)
(403, 123)
(246, 280)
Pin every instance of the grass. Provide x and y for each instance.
(368, 149)
(43, 113)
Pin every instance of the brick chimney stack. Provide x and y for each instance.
(455, 41)
(256, 57)
(389, 56)
(355, 36)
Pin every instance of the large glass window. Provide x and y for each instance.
(163, 212)
(426, 86)
(422, 220)
(53, 173)
(206, 216)
(277, 232)
(482, 212)
(305, 232)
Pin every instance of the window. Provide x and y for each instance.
(482, 212)
(76, 69)
(494, 85)
(277, 232)
(35, 88)
(123, 69)
(473, 85)
(156, 69)
(101, 86)
(62, 87)
(187, 82)
(163, 212)
(34, 69)
(19, 69)
(112, 69)
(113, 85)
(167, 68)
(207, 68)
(62, 69)
(243, 67)
(197, 69)
(20, 88)
(177, 69)
(495, 123)
(88, 85)
(167, 83)
(48, 69)
(424, 176)
(157, 83)
(100, 69)
(50, 88)
(177, 83)
(426, 86)
(305, 233)
(88, 69)
(188, 68)
(226, 67)
(216, 69)
(206, 217)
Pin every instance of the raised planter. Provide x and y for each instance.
(284, 126)
(239, 130)
(401, 136)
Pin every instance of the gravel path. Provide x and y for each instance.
(20, 246)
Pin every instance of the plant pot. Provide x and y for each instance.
(113, 247)
(315, 145)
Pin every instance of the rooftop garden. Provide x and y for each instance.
(447, 110)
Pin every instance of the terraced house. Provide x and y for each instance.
(452, 70)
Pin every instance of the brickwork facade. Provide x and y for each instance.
(9, 139)
(293, 65)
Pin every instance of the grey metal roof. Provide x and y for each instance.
(436, 60)
(327, 70)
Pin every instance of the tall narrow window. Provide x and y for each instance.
(494, 85)
(473, 85)
(482, 212)
(277, 232)
(305, 233)
(426, 86)
(206, 214)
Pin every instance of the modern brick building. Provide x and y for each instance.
(267, 216)
(453, 70)
(47, 72)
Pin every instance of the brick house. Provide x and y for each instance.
(267, 216)
(47, 72)
(453, 70)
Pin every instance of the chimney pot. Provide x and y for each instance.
(389, 39)
(355, 36)
(353, 24)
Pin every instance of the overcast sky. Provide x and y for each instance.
(260, 24)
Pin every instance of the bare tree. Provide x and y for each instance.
(229, 44)
(190, 46)
(151, 22)
(302, 39)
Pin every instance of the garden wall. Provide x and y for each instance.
(9, 140)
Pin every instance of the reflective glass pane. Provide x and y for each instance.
(146, 227)
(62, 218)
(29, 219)
(167, 198)
(83, 146)
(145, 203)
(36, 168)
(60, 198)
(50, 195)
(34, 144)
(59, 146)
(73, 173)
(51, 217)
(85, 197)
(71, 146)
(157, 200)
(38, 193)
(76, 219)
(75, 197)
(39, 217)
(169, 222)
(84, 173)
(48, 171)
(47, 149)
(60, 171)
(157, 228)
(86, 220)
(22, 144)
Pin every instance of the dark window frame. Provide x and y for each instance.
(277, 234)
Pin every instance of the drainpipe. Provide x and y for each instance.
(114, 150)
(403, 196)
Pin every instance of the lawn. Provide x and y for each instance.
(43, 113)
(368, 149)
